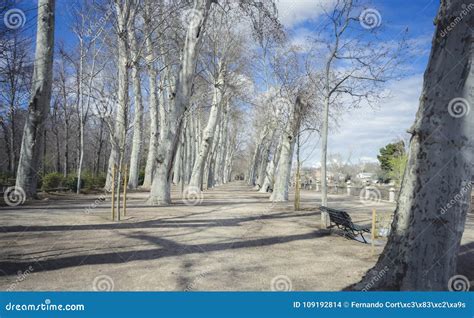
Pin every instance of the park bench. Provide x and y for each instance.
(343, 221)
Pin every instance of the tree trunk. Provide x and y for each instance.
(255, 158)
(99, 148)
(118, 140)
(270, 173)
(66, 148)
(31, 145)
(297, 204)
(211, 172)
(421, 252)
(282, 180)
(178, 161)
(263, 165)
(189, 158)
(223, 145)
(283, 173)
(8, 146)
(12, 153)
(80, 113)
(160, 189)
(152, 101)
(138, 117)
(324, 150)
(208, 134)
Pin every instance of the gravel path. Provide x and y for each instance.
(234, 240)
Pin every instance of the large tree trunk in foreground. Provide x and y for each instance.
(160, 189)
(31, 145)
(422, 249)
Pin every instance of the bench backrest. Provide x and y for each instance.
(339, 217)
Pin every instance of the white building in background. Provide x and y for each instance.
(367, 177)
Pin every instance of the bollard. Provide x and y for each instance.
(367, 192)
(349, 190)
(391, 195)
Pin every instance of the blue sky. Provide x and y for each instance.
(362, 132)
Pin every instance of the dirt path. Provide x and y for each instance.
(234, 240)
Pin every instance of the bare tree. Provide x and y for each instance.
(160, 190)
(138, 116)
(125, 14)
(31, 145)
(353, 69)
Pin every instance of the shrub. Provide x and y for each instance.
(71, 182)
(52, 181)
(100, 180)
(89, 181)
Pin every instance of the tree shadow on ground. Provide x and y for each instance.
(465, 262)
(131, 204)
(167, 248)
(464, 265)
(159, 223)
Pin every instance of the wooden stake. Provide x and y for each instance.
(372, 233)
(125, 191)
(119, 179)
(113, 193)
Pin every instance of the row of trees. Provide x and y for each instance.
(342, 67)
(422, 249)
(154, 85)
(184, 66)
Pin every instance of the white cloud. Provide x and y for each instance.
(292, 12)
